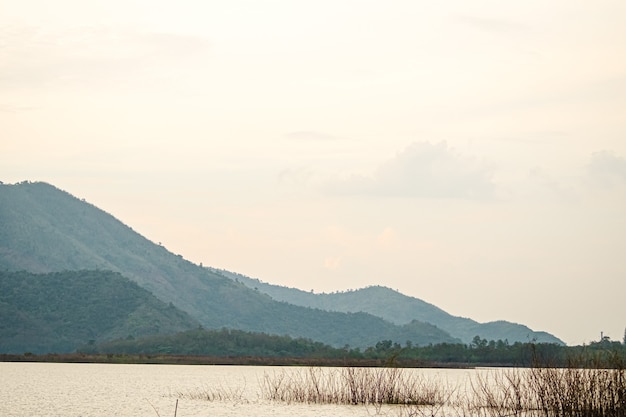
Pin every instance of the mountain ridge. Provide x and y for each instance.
(44, 229)
(400, 309)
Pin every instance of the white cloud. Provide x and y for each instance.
(602, 176)
(424, 170)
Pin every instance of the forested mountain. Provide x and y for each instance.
(44, 229)
(399, 309)
(57, 312)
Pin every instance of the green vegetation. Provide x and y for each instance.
(200, 346)
(235, 343)
(60, 311)
(501, 353)
(222, 342)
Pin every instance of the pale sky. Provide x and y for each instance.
(471, 154)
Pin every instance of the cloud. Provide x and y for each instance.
(607, 169)
(541, 185)
(603, 175)
(423, 170)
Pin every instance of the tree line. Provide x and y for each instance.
(238, 343)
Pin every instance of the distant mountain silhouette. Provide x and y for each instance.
(44, 229)
(399, 309)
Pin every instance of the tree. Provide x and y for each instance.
(478, 343)
(383, 345)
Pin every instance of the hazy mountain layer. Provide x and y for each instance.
(400, 309)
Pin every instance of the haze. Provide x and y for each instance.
(471, 154)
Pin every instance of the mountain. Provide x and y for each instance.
(399, 309)
(56, 312)
(44, 229)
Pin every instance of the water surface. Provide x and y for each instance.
(62, 389)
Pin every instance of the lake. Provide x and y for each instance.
(61, 389)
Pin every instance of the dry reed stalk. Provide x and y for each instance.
(214, 394)
(352, 386)
(533, 392)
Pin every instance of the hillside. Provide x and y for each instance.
(399, 309)
(57, 312)
(44, 229)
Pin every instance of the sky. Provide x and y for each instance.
(470, 154)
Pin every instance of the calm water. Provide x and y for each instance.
(52, 389)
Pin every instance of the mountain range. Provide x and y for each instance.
(397, 308)
(45, 230)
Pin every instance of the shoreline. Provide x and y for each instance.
(149, 359)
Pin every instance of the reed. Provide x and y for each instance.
(550, 392)
(352, 386)
(528, 392)
(218, 393)
(582, 389)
